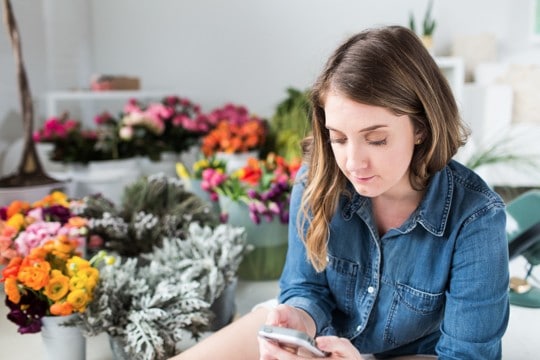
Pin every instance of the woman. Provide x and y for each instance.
(394, 248)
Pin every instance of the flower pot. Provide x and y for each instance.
(224, 307)
(117, 348)
(108, 177)
(28, 193)
(62, 342)
(166, 164)
(269, 239)
(236, 161)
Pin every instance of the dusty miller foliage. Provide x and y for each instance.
(153, 208)
(175, 261)
(210, 256)
(150, 308)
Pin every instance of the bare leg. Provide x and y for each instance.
(237, 341)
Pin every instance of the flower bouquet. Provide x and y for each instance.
(256, 197)
(172, 125)
(236, 133)
(24, 226)
(206, 174)
(74, 144)
(71, 143)
(52, 280)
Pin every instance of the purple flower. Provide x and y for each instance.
(56, 213)
(29, 319)
(254, 217)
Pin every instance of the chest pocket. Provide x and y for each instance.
(413, 314)
(342, 276)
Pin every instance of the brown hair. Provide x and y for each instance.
(387, 67)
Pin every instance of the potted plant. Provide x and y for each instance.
(162, 131)
(47, 281)
(153, 207)
(147, 309)
(428, 26)
(289, 125)
(256, 197)
(96, 160)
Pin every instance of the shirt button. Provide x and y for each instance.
(370, 289)
(358, 327)
(327, 259)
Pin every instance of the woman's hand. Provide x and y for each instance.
(293, 318)
(339, 348)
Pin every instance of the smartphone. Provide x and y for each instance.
(290, 338)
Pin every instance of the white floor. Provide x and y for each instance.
(521, 342)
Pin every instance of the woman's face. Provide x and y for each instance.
(373, 147)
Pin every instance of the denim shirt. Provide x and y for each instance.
(438, 284)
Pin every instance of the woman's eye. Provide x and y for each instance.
(337, 140)
(377, 142)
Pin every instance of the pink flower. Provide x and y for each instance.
(35, 235)
(126, 133)
(102, 118)
(132, 106)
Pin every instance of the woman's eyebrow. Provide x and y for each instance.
(369, 128)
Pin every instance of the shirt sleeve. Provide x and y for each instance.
(301, 285)
(477, 309)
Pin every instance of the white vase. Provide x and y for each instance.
(269, 239)
(166, 164)
(224, 307)
(236, 161)
(108, 177)
(62, 342)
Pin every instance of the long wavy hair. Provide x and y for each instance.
(387, 67)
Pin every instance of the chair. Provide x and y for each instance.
(523, 231)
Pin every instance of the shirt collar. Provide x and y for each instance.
(432, 212)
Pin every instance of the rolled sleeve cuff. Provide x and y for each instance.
(319, 316)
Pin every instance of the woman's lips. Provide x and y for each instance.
(363, 179)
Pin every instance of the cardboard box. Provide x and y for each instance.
(110, 82)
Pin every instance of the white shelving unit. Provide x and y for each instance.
(454, 70)
(87, 102)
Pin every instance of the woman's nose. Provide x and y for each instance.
(356, 159)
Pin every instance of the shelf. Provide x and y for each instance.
(454, 70)
(53, 99)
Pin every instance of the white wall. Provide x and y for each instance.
(214, 51)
